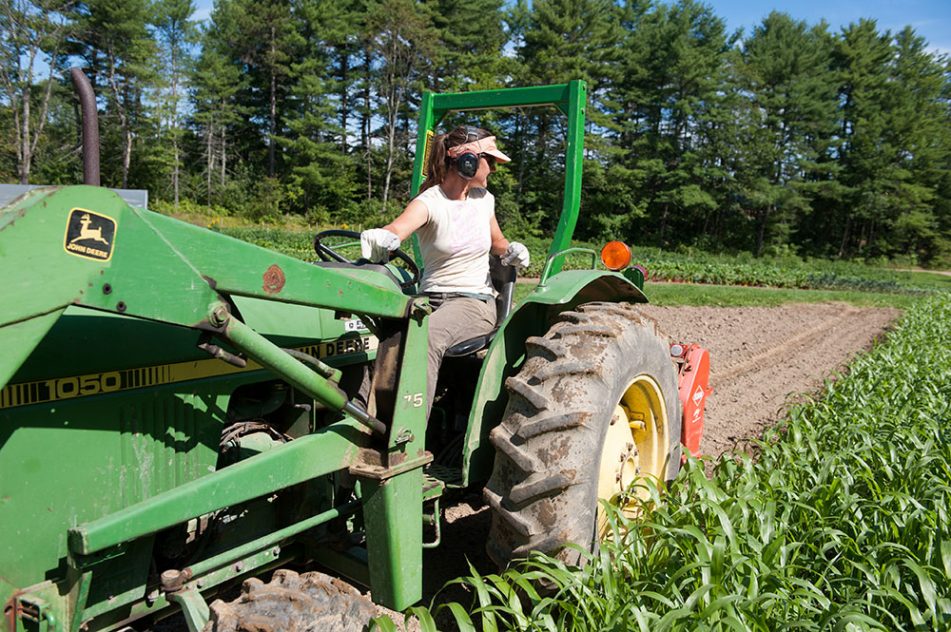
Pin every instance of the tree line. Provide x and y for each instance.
(791, 138)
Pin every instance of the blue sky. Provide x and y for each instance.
(930, 18)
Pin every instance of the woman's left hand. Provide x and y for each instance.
(516, 255)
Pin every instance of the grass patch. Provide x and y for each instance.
(842, 522)
(674, 294)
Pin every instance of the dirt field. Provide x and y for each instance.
(762, 360)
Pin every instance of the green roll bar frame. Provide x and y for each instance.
(569, 98)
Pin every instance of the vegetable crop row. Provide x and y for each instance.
(842, 521)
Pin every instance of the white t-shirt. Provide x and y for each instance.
(455, 242)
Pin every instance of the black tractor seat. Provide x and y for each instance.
(503, 280)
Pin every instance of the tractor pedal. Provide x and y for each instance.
(437, 478)
(450, 476)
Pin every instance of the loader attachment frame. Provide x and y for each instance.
(84, 248)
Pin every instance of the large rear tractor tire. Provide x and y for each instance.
(290, 602)
(594, 408)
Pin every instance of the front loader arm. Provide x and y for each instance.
(138, 263)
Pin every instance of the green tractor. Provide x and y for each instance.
(181, 411)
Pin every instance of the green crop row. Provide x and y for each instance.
(841, 522)
(693, 266)
(688, 266)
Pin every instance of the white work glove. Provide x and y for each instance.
(376, 244)
(516, 255)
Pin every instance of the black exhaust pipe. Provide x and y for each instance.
(87, 100)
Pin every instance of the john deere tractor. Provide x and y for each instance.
(181, 411)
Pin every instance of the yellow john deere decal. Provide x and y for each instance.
(90, 235)
(71, 387)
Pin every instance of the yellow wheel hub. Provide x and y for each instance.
(635, 446)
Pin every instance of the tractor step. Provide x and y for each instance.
(437, 478)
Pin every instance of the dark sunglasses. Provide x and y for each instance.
(489, 159)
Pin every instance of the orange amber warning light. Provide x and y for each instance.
(615, 255)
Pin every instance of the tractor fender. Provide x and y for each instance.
(532, 317)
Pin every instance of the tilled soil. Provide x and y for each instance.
(763, 359)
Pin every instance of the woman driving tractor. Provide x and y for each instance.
(454, 218)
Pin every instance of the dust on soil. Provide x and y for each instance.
(763, 359)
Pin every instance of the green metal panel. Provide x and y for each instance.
(90, 456)
(148, 258)
(506, 353)
(86, 458)
(242, 269)
(12, 338)
(326, 451)
(88, 351)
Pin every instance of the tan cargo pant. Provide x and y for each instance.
(455, 321)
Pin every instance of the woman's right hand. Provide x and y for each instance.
(377, 243)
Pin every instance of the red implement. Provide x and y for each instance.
(694, 375)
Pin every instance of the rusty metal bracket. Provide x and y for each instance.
(380, 473)
(420, 308)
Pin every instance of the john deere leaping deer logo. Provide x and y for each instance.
(90, 235)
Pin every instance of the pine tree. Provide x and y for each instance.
(469, 55)
(562, 40)
(343, 24)
(786, 71)
(176, 33)
(216, 83)
(920, 132)
(323, 173)
(863, 56)
(31, 33)
(113, 38)
(259, 37)
(670, 86)
(402, 38)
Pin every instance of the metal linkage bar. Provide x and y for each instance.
(269, 355)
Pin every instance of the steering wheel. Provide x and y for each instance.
(327, 253)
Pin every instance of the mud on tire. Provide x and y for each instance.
(290, 602)
(544, 486)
